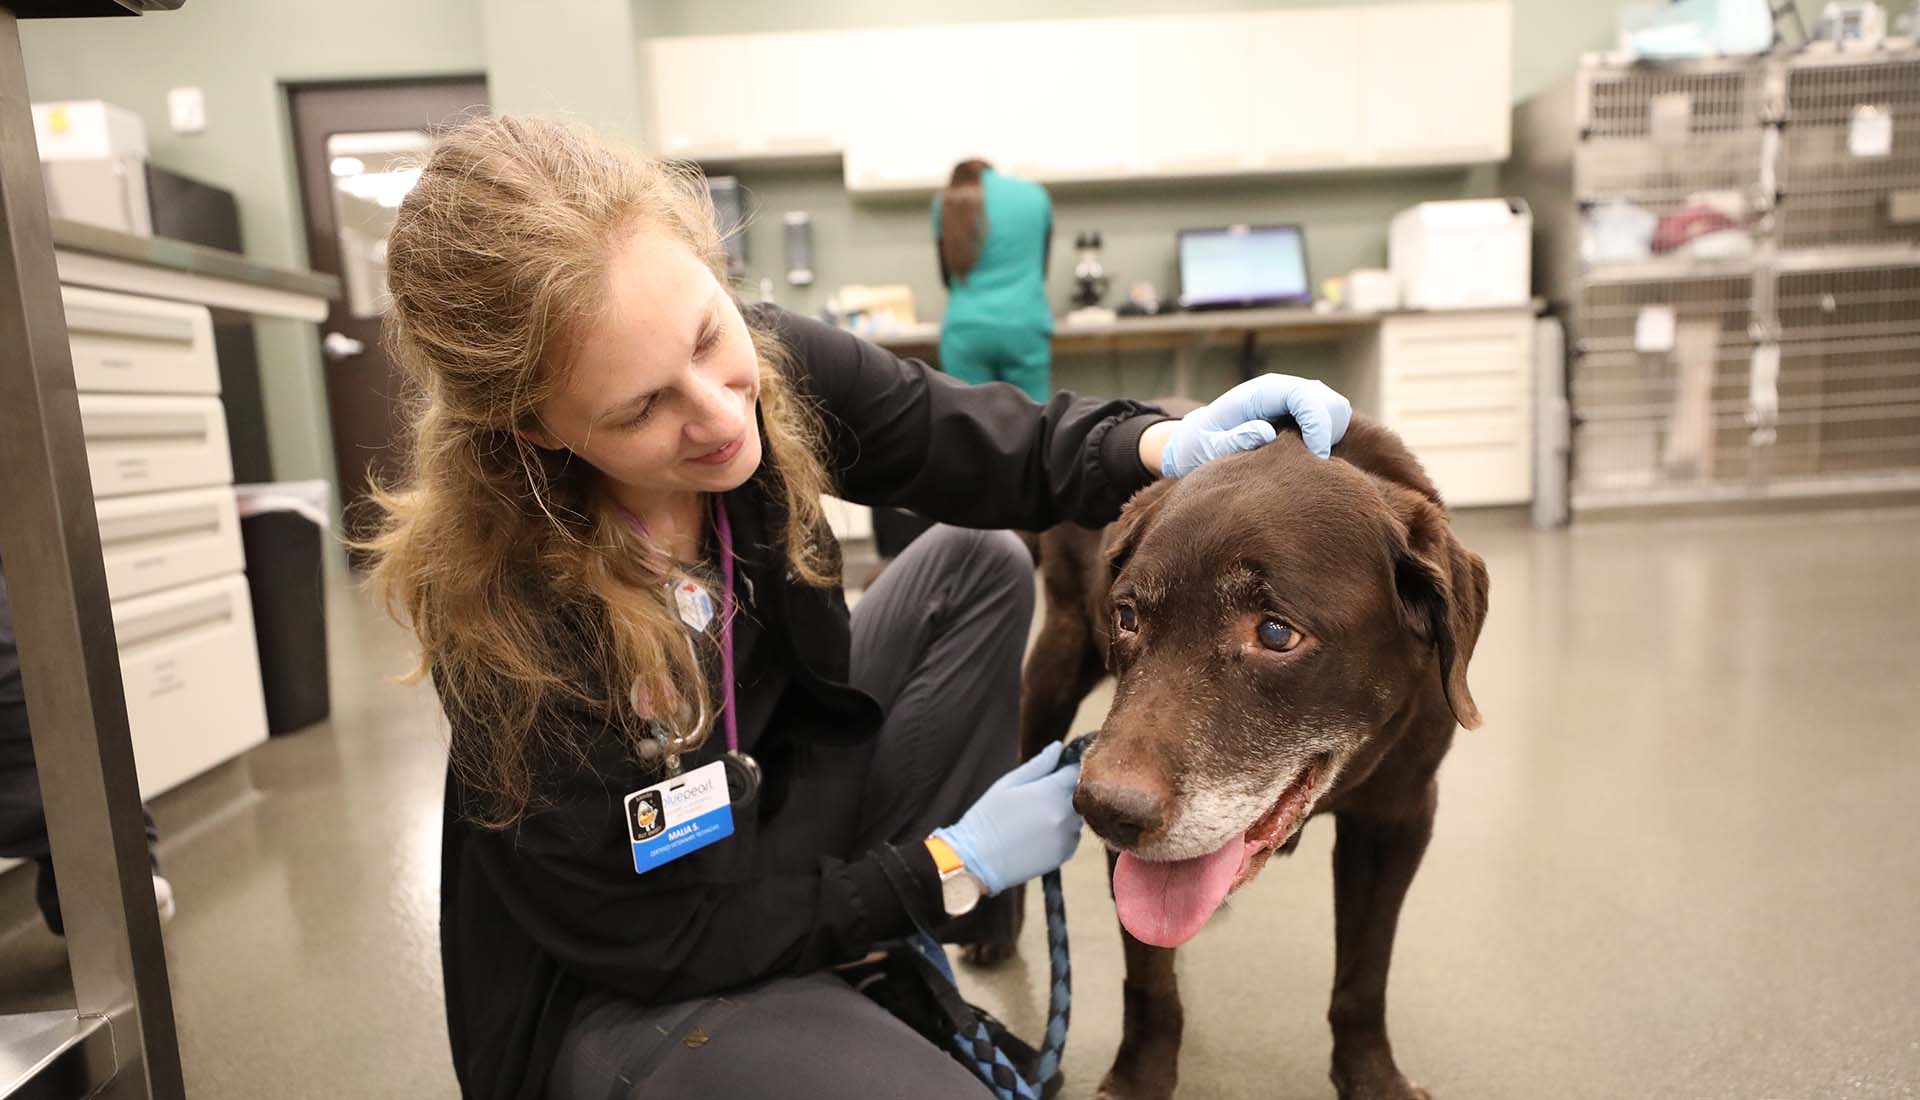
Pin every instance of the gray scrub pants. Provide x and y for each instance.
(938, 641)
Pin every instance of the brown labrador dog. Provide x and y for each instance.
(1290, 638)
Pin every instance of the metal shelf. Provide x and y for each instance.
(54, 1054)
(120, 1033)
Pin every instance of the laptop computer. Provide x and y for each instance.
(1242, 266)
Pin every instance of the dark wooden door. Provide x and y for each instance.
(354, 144)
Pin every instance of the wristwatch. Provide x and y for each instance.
(959, 890)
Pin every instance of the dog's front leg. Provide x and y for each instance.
(1373, 863)
(1147, 1065)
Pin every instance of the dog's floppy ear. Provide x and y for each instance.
(1123, 537)
(1442, 587)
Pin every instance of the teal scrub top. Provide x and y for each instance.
(1007, 288)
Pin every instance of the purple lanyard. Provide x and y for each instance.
(724, 528)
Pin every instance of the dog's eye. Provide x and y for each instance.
(1278, 636)
(1127, 618)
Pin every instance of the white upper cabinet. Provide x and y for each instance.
(1303, 89)
(1306, 88)
(1196, 95)
(1069, 93)
(1436, 82)
(751, 95)
(895, 140)
(798, 92)
(699, 99)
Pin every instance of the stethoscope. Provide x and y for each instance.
(743, 771)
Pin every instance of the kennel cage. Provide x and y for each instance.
(1849, 166)
(1788, 367)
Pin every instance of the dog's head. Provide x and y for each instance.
(1274, 618)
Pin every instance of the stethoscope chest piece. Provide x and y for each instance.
(743, 777)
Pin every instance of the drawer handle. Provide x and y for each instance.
(159, 625)
(131, 530)
(133, 427)
(1448, 412)
(133, 326)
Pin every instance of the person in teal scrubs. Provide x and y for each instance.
(995, 235)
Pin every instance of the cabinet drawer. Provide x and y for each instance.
(160, 540)
(1449, 345)
(1446, 427)
(127, 344)
(847, 520)
(1471, 474)
(192, 679)
(147, 444)
(1490, 392)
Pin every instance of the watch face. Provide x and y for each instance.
(959, 893)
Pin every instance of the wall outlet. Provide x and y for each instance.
(187, 110)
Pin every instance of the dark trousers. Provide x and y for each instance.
(23, 816)
(938, 641)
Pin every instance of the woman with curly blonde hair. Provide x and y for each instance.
(684, 783)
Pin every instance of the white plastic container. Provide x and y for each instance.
(88, 129)
(1470, 254)
(93, 163)
(1371, 290)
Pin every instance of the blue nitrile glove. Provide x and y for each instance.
(1237, 421)
(1023, 827)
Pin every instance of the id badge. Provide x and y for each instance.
(681, 815)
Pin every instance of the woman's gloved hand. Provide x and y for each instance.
(1023, 827)
(1237, 421)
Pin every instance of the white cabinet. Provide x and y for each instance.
(797, 87)
(1458, 387)
(192, 679)
(1305, 91)
(1436, 82)
(752, 95)
(897, 140)
(1074, 110)
(1197, 95)
(157, 454)
(1299, 89)
(699, 98)
(847, 521)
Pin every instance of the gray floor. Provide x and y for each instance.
(1678, 861)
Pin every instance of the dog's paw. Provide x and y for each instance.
(988, 954)
(1117, 1086)
(1143, 1070)
(1377, 1083)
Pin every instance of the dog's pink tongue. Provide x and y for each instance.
(1166, 904)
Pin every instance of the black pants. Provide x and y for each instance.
(23, 816)
(938, 641)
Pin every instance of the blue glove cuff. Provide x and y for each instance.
(961, 841)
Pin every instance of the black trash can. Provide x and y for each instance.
(283, 527)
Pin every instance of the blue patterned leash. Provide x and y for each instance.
(975, 1045)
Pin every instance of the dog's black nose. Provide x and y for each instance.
(1120, 812)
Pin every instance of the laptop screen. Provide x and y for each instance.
(1243, 265)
